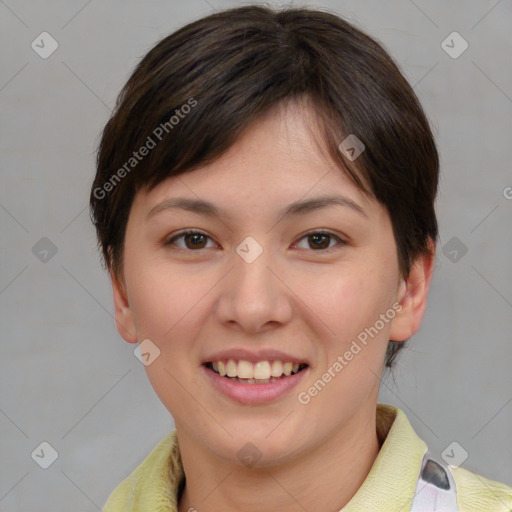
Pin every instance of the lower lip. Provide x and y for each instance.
(254, 394)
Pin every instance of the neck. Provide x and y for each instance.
(324, 478)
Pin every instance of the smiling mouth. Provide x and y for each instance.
(254, 380)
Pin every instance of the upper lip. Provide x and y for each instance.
(239, 354)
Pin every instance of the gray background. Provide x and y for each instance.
(67, 378)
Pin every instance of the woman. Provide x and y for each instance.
(264, 201)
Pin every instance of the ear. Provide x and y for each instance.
(412, 296)
(123, 314)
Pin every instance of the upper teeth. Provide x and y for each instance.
(261, 370)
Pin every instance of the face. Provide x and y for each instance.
(253, 284)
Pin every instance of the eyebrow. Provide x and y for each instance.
(297, 208)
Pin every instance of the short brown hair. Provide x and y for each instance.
(196, 90)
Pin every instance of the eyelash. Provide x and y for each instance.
(341, 243)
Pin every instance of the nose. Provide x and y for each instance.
(254, 296)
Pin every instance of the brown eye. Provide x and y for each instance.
(320, 240)
(193, 240)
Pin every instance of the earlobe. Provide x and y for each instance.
(123, 314)
(412, 296)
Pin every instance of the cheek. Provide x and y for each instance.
(348, 302)
(162, 299)
(166, 308)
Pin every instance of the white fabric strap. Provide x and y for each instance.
(435, 490)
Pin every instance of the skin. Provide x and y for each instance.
(295, 297)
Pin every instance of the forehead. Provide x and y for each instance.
(278, 160)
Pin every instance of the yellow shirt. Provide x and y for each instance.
(405, 477)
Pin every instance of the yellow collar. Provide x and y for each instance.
(154, 485)
(391, 483)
